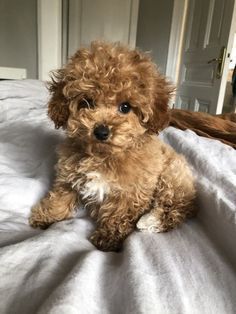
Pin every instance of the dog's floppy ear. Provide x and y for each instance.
(58, 109)
(157, 91)
(158, 115)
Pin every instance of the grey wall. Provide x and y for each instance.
(18, 35)
(153, 32)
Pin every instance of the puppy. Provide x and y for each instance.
(112, 102)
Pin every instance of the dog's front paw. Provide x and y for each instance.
(37, 220)
(36, 223)
(105, 242)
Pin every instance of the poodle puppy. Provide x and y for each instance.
(112, 102)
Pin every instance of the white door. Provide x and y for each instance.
(112, 20)
(205, 55)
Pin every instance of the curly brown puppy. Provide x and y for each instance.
(112, 101)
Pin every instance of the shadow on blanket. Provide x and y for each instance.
(221, 127)
(29, 149)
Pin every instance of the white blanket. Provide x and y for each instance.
(186, 271)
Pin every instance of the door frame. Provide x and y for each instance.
(49, 24)
(176, 46)
(227, 61)
(177, 32)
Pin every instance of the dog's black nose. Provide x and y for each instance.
(101, 132)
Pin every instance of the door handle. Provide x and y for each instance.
(213, 60)
(220, 62)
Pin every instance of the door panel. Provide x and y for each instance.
(107, 18)
(112, 20)
(214, 23)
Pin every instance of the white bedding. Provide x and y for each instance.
(189, 270)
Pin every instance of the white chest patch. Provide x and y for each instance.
(95, 187)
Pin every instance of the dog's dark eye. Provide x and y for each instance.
(124, 107)
(87, 103)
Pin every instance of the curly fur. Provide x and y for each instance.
(130, 175)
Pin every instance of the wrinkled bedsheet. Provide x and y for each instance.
(185, 271)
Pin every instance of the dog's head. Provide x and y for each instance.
(109, 96)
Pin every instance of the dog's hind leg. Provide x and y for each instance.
(171, 205)
(150, 222)
(164, 219)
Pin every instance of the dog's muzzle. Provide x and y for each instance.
(101, 132)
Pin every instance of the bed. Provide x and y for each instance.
(189, 270)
